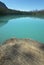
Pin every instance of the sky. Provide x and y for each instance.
(24, 5)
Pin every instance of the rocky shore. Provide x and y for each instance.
(21, 52)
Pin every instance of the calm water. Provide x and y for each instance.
(21, 27)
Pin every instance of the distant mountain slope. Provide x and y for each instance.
(3, 8)
(6, 11)
(2, 5)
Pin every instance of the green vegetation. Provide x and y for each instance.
(5, 11)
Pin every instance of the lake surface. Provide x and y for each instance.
(21, 27)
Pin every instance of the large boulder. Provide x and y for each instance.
(21, 52)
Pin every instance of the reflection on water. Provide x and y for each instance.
(21, 27)
(5, 19)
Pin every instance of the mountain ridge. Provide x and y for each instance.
(4, 10)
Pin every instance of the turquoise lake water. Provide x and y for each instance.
(21, 27)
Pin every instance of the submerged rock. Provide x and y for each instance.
(21, 52)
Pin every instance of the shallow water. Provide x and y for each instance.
(21, 27)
